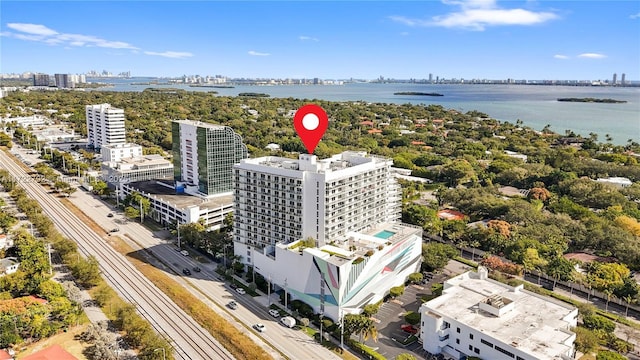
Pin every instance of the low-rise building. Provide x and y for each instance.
(477, 316)
(619, 182)
(8, 266)
(169, 207)
(142, 168)
(118, 152)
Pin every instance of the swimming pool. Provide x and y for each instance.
(384, 234)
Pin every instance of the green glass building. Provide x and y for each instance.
(204, 155)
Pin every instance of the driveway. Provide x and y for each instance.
(390, 318)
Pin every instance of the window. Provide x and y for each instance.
(476, 350)
(458, 330)
(470, 347)
(471, 336)
(508, 353)
(519, 358)
(486, 342)
(457, 341)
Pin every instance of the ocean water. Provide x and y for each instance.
(535, 105)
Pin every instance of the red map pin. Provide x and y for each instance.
(310, 122)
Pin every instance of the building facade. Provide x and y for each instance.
(324, 231)
(204, 155)
(63, 81)
(105, 125)
(40, 80)
(477, 316)
(118, 152)
(141, 168)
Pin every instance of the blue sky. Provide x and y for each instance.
(490, 39)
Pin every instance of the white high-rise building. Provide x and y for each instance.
(325, 231)
(105, 125)
(322, 199)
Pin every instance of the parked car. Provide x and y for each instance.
(232, 305)
(260, 327)
(197, 269)
(288, 321)
(184, 252)
(186, 271)
(274, 313)
(409, 329)
(233, 286)
(240, 291)
(114, 230)
(110, 215)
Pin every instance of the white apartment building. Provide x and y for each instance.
(477, 316)
(140, 168)
(281, 200)
(105, 125)
(349, 204)
(120, 151)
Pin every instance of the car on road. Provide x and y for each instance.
(288, 321)
(409, 329)
(110, 215)
(184, 252)
(186, 271)
(233, 286)
(114, 230)
(260, 327)
(232, 305)
(275, 313)
(197, 269)
(240, 291)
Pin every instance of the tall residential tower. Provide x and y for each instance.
(204, 155)
(105, 125)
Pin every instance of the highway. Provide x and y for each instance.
(188, 338)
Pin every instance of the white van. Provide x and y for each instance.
(288, 321)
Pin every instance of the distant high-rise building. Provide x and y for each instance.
(63, 81)
(623, 80)
(430, 77)
(316, 81)
(615, 78)
(105, 125)
(40, 80)
(204, 155)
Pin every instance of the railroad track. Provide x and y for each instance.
(189, 340)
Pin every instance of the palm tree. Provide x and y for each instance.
(368, 329)
(607, 292)
(629, 299)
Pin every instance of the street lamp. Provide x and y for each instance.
(341, 328)
(321, 315)
(164, 354)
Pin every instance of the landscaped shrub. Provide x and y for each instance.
(412, 317)
(396, 291)
(597, 322)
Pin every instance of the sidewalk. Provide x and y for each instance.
(94, 313)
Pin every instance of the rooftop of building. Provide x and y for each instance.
(53, 352)
(140, 162)
(164, 191)
(121, 146)
(8, 261)
(306, 162)
(360, 244)
(533, 323)
(199, 124)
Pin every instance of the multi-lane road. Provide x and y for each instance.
(189, 339)
(205, 285)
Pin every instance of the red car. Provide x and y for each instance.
(409, 328)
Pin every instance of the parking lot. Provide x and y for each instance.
(390, 318)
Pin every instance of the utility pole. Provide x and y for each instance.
(141, 210)
(179, 235)
(285, 295)
(50, 264)
(341, 328)
(269, 291)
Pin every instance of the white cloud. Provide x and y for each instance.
(635, 16)
(592, 56)
(170, 54)
(559, 56)
(34, 29)
(307, 38)
(255, 53)
(404, 33)
(479, 14)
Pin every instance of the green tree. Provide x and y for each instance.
(457, 172)
(609, 355)
(436, 255)
(586, 340)
(396, 291)
(415, 278)
(560, 268)
(86, 271)
(405, 356)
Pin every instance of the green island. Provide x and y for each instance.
(252, 94)
(417, 93)
(592, 100)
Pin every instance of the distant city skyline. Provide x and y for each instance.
(474, 39)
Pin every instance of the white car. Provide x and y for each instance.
(240, 291)
(184, 252)
(275, 313)
(259, 327)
